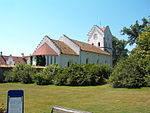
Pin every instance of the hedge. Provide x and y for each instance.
(75, 75)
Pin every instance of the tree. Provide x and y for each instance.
(119, 50)
(134, 71)
(135, 30)
(144, 41)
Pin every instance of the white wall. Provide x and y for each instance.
(64, 59)
(94, 57)
(52, 60)
(100, 37)
(104, 37)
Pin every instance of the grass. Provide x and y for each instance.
(96, 99)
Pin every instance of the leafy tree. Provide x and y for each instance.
(119, 50)
(134, 71)
(144, 42)
(135, 30)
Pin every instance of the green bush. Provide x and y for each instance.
(75, 75)
(47, 75)
(82, 75)
(61, 77)
(128, 73)
(92, 71)
(41, 79)
(147, 80)
(26, 74)
(10, 76)
(51, 71)
(20, 73)
(147, 71)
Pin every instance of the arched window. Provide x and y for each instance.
(99, 44)
(87, 60)
(95, 36)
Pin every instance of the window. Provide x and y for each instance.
(10, 63)
(99, 44)
(68, 64)
(47, 60)
(98, 61)
(51, 59)
(87, 61)
(95, 36)
(54, 59)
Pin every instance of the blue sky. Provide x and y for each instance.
(23, 23)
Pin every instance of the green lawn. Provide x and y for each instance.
(96, 99)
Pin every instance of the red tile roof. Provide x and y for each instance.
(2, 60)
(65, 49)
(19, 60)
(89, 47)
(45, 49)
(103, 29)
(16, 60)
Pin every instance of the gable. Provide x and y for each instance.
(50, 43)
(96, 29)
(44, 49)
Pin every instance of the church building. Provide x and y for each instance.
(67, 51)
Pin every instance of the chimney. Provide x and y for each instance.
(1, 53)
(22, 55)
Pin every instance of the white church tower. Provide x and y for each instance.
(101, 37)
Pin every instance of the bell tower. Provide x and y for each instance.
(101, 38)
